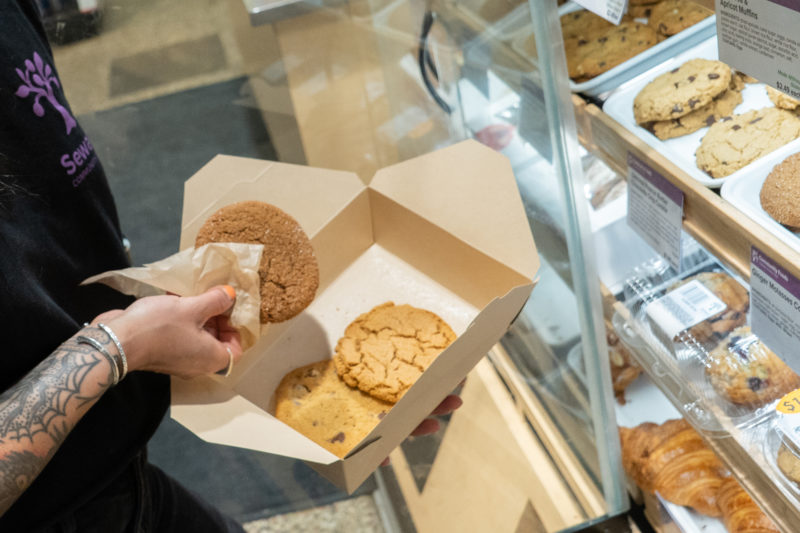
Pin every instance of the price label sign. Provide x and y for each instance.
(788, 409)
(760, 38)
(684, 307)
(775, 307)
(611, 10)
(655, 210)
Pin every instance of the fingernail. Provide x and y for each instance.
(230, 291)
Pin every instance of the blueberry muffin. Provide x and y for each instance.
(745, 372)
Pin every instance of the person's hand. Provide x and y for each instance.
(181, 336)
(432, 425)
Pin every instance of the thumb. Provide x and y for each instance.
(213, 302)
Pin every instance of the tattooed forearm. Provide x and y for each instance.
(17, 471)
(37, 413)
(40, 399)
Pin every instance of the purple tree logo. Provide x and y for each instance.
(38, 79)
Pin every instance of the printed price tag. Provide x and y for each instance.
(775, 307)
(759, 37)
(788, 408)
(655, 210)
(611, 10)
(684, 307)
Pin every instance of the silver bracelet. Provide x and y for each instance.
(115, 340)
(94, 343)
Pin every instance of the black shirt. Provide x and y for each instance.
(58, 226)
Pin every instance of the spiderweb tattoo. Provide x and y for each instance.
(38, 403)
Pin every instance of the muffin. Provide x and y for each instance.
(745, 372)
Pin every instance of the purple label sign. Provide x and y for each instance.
(656, 180)
(655, 210)
(775, 307)
(794, 5)
(787, 281)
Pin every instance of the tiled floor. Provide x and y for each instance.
(137, 53)
(353, 515)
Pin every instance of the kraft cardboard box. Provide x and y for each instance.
(446, 232)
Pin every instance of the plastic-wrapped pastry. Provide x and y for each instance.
(788, 462)
(745, 372)
(673, 460)
(735, 297)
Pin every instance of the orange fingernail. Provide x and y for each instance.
(230, 291)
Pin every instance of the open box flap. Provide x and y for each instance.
(215, 413)
(469, 190)
(311, 195)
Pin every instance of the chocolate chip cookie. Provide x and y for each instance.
(288, 270)
(673, 16)
(583, 24)
(385, 350)
(314, 401)
(587, 58)
(780, 194)
(736, 141)
(721, 106)
(642, 11)
(682, 90)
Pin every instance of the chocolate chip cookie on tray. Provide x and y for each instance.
(737, 141)
(587, 58)
(670, 17)
(594, 45)
(683, 90)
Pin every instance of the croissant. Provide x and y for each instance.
(673, 460)
(740, 514)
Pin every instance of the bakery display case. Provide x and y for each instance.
(590, 353)
(596, 407)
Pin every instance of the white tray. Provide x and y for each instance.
(681, 150)
(743, 193)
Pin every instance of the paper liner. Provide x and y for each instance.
(195, 270)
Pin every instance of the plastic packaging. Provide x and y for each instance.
(695, 326)
(783, 457)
